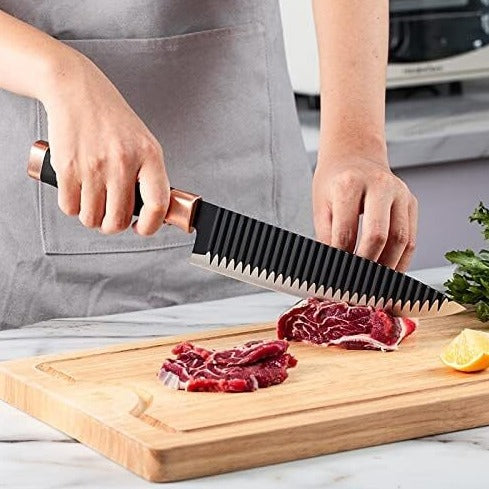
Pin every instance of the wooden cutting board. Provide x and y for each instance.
(111, 400)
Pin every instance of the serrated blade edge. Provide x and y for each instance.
(268, 280)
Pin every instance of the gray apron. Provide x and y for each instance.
(209, 79)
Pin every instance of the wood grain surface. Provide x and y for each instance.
(110, 399)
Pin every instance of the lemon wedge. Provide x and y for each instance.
(468, 352)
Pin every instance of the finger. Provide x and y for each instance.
(322, 223)
(119, 207)
(398, 234)
(155, 194)
(68, 186)
(69, 194)
(345, 213)
(408, 253)
(375, 224)
(92, 203)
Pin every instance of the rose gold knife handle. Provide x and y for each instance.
(182, 204)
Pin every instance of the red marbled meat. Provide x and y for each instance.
(244, 368)
(323, 322)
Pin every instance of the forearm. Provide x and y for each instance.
(31, 60)
(353, 43)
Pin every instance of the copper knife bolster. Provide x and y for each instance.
(182, 207)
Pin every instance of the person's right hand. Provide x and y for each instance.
(99, 149)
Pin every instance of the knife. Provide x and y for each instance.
(253, 251)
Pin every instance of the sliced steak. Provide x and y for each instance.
(323, 322)
(245, 368)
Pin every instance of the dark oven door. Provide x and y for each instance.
(427, 30)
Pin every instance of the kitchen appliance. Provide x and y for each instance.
(253, 251)
(111, 400)
(430, 41)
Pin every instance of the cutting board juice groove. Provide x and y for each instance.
(334, 400)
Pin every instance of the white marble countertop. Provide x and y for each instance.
(33, 455)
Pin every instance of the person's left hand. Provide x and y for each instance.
(347, 186)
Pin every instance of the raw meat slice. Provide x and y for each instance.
(323, 322)
(245, 368)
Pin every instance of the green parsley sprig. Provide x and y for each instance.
(470, 282)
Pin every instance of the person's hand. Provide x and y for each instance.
(100, 149)
(347, 186)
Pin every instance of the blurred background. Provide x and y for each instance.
(437, 110)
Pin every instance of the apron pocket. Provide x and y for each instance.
(205, 97)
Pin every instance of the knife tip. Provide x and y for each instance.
(453, 307)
